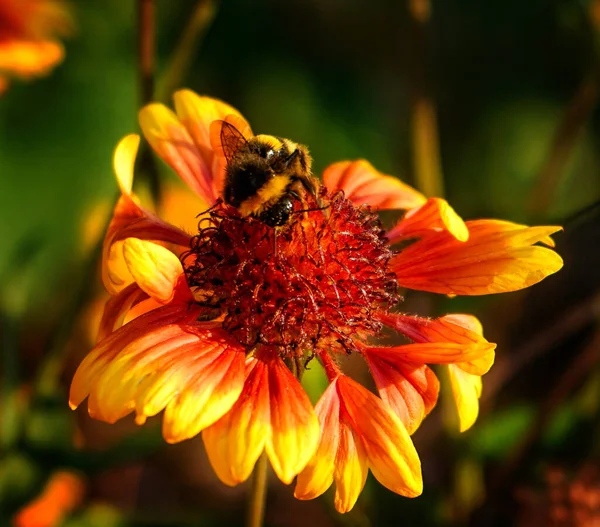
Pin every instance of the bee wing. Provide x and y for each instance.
(229, 136)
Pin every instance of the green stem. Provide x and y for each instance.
(258, 493)
(427, 164)
(180, 60)
(147, 68)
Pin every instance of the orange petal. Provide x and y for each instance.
(457, 328)
(410, 389)
(391, 454)
(63, 493)
(498, 257)
(294, 425)
(466, 389)
(180, 207)
(171, 140)
(479, 357)
(235, 442)
(29, 58)
(363, 184)
(464, 376)
(433, 216)
(154, 268)
(155, 359)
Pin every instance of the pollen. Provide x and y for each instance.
(307, 287)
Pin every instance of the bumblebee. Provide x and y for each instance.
(264, 174)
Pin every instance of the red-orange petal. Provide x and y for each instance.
(498, 257)
(391, 454)
(364, 185)
(410, 389)
(478, 357)
(457, 328)
(433, 216)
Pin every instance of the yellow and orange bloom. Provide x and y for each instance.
(215, 327)
(28, 38)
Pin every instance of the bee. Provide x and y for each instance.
(264, 175)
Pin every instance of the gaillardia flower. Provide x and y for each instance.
(28, 31)
(216, 327)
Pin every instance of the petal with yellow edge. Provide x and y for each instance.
(317, 477)
(410, 389)
(363, 432)
(434, 216)
(294, 425)
(498, 257)
(466, 389)
(130, 220)
(235, 442)
(171, 140)
(391, 454)
(364, 185)
(459, 329)
(465, 377)
(156, 270)
(148, 363)
(340, 456)
(273, 413)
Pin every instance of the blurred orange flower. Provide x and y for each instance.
(63, 492)
(28, 31)
(222, 333)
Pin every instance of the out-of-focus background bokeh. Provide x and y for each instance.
(515, 88)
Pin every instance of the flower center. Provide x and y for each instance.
(311, 285)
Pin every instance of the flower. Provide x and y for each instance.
(27, 37)
(223, 321)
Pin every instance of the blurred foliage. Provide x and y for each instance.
(339, 77)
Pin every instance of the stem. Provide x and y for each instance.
(146, 17)
(179, 63)
(146, 59)
(258, 493)
(424, 129)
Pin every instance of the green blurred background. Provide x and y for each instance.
(515, 85)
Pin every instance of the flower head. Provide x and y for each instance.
(222, 322)
(28, 31)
